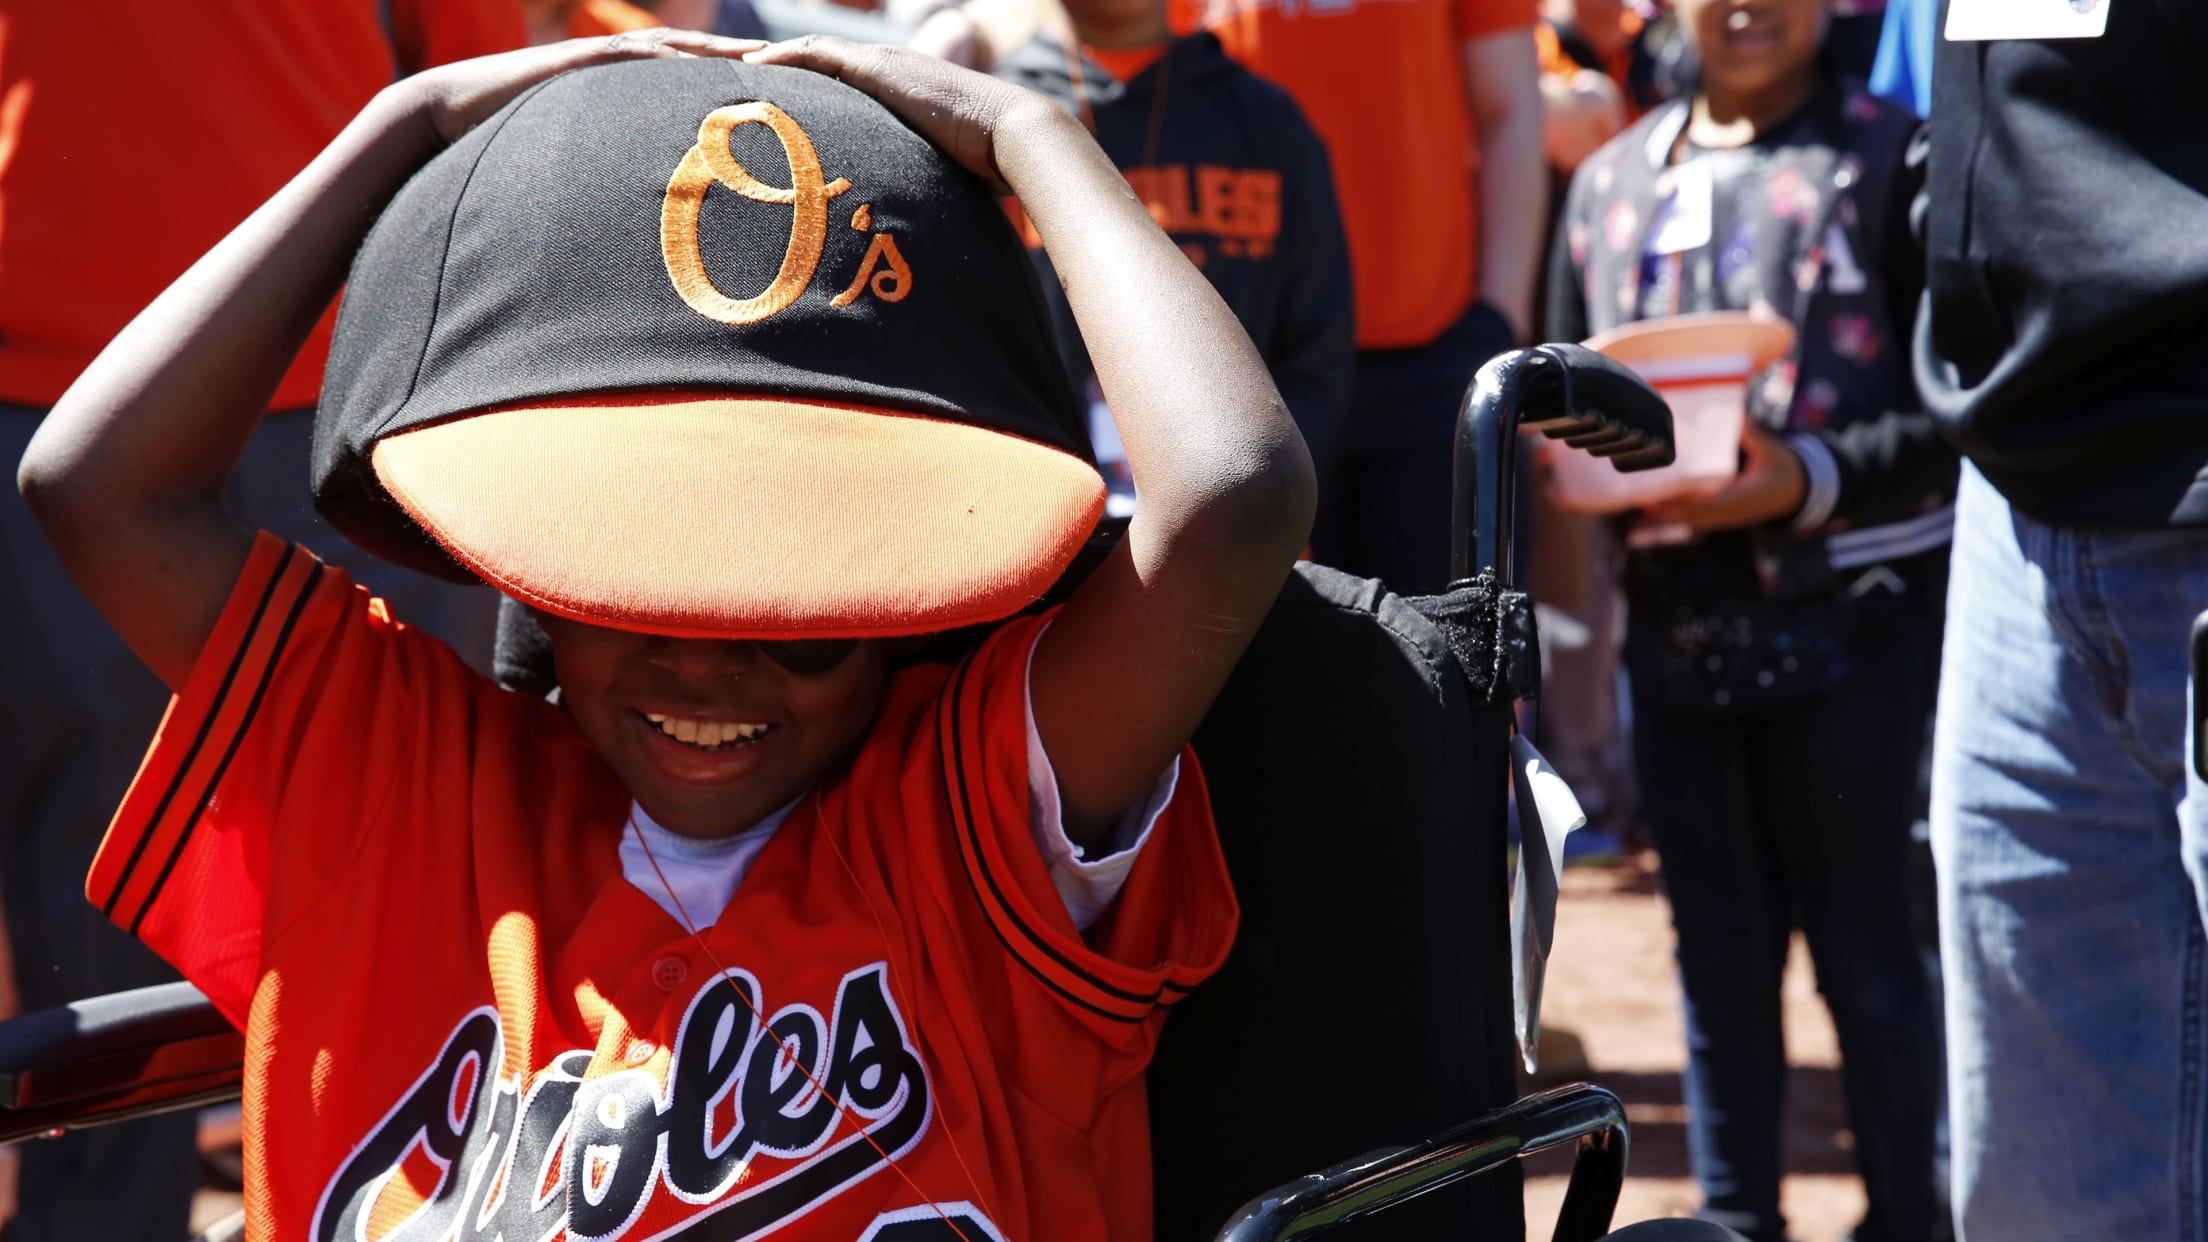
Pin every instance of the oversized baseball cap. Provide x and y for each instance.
(705, 348)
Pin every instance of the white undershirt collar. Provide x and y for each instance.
(704, 872)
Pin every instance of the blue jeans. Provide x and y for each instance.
(2070, 837)
(1792, 815)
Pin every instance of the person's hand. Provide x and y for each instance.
(1578, 115)
(959, 110)
(454, 98)
(1771, 485)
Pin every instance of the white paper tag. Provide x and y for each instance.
(1842, 273)
(1978, 20)
(1683, 220)
(1553, 800)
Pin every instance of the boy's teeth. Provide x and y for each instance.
(704, 732)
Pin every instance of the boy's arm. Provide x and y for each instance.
(1128, 669)
(126, 473)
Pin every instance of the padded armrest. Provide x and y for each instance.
(114, 1057)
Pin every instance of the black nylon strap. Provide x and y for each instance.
(1490, 630)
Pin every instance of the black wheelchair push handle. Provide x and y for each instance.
(1379, 1180)
(1568, 392)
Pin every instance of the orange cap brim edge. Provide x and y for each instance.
(746, 517)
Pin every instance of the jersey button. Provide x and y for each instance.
(669, 972)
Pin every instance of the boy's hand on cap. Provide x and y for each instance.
(960, 111)
(455, 98)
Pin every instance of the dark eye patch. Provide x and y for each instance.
(808, 657)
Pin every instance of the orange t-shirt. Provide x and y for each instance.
(1125, 63)
(133, 136)
(405, 884)
(1383, 83)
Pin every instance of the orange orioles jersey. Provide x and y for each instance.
(463, 1023)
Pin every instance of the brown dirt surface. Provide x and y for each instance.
(1613, 985)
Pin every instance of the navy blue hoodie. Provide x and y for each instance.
(1236, 175)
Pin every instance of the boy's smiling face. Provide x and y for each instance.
(711, 736)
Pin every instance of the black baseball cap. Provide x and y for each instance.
(707, 348)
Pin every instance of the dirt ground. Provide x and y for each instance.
(1611, 983)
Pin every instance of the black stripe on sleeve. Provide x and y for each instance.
(963, 817)
(206, 725)
(252, 708)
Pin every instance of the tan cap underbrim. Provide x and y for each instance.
(744, 517)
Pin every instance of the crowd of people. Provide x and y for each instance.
(1963, 538)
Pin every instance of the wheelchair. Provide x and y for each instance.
(1360, 765)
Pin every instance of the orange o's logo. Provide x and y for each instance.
(708, 162)
(890, 284)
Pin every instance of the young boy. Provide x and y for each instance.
(1231, 170)
(756, 934)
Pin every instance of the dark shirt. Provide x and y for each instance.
(1809, 222)
(2067, 267)
(1233, 172)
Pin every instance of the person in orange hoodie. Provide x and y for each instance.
(1431, 115)
(133, 136)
